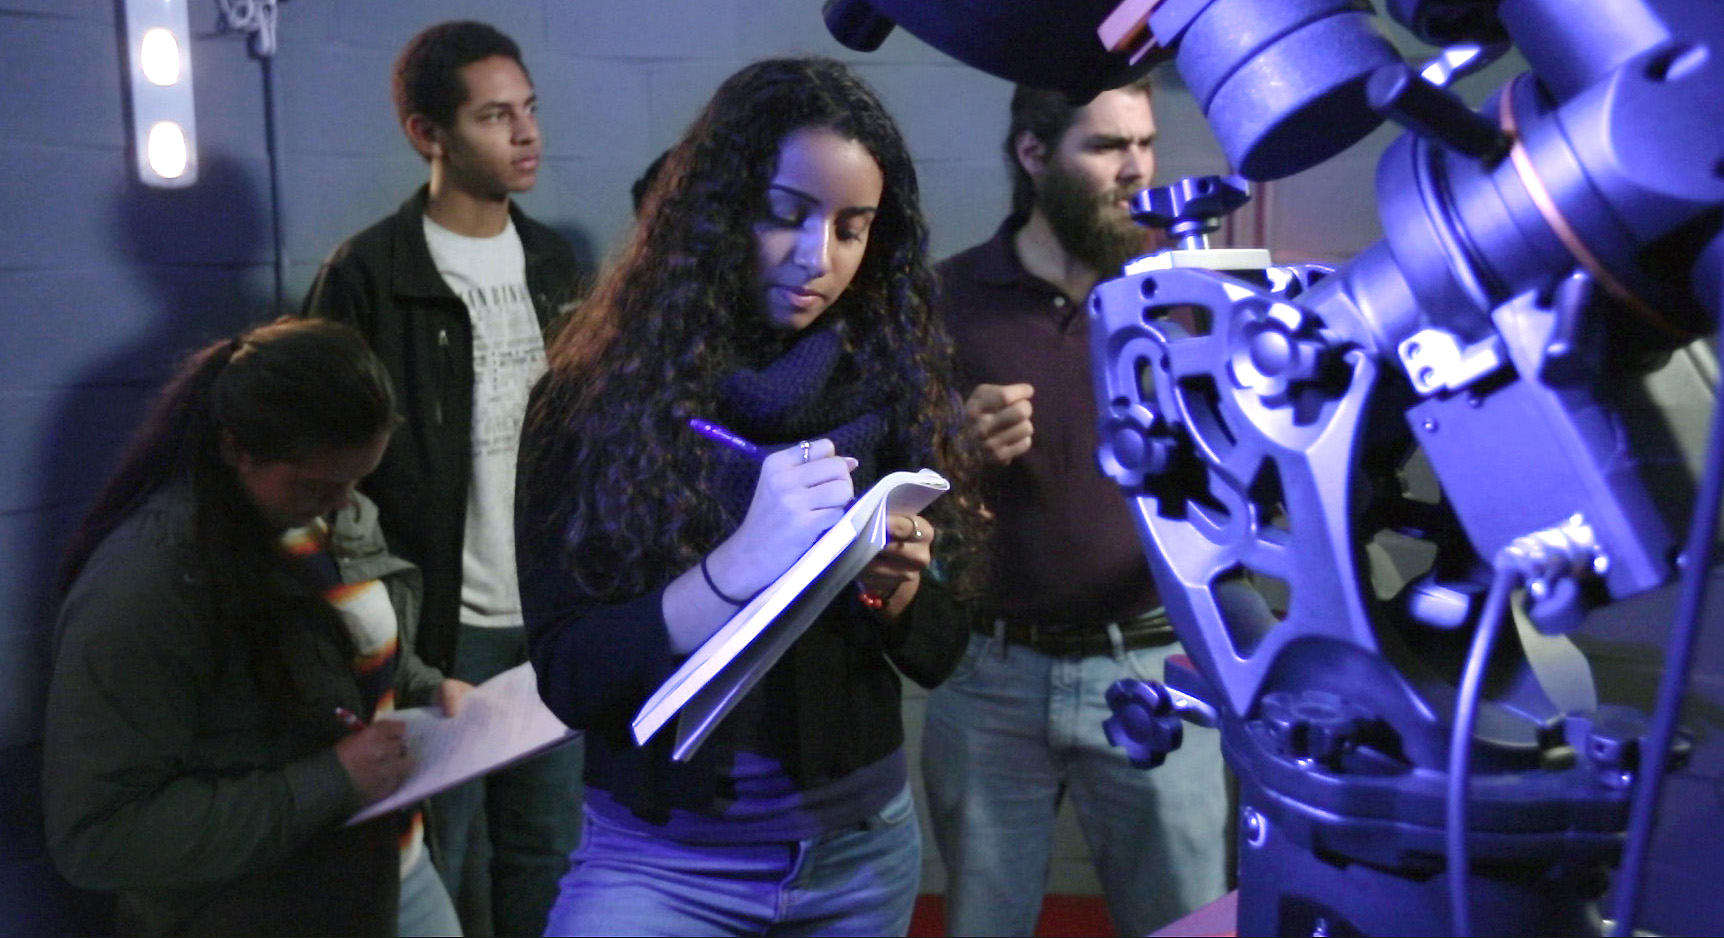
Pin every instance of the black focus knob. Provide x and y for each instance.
(1144, 722)
(1190, 208)
(1313, 724)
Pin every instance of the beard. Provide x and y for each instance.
(1090, 226)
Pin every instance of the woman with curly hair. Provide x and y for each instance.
(777, 284)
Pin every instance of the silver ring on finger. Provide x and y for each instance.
(805, 446)
(915, 530)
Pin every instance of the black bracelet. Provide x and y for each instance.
(718, 592)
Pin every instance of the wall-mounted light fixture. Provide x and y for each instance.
(164, 123)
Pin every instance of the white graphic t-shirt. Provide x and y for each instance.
(490, 276)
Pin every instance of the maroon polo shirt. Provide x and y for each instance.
(1065, 546)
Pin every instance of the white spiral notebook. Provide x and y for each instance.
(729, 663)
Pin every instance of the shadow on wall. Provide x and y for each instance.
(198, 258)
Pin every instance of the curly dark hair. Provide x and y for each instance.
(678, 309)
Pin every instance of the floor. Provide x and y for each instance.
(1062, 917)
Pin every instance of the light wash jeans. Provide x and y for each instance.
(1009, 735)
(858, 881)
(425, 907)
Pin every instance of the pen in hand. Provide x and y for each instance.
(731, 439)
(718, 434)
(375, 757)
(349, 719)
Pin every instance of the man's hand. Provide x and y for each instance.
(1000, 417)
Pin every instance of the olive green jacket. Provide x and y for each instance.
(167, 782)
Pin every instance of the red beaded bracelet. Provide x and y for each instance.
(870, 598)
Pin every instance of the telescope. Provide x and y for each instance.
(1420, 750)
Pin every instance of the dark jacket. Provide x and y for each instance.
(836, 692)
(383, 282)
(168, 780)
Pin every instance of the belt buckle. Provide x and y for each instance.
(1067, 642)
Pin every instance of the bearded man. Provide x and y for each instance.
(1071, 607)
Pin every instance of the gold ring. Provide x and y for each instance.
(806, 446)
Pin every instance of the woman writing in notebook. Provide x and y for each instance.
(775, 285)
(232, 626)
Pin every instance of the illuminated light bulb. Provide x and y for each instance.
(163, 118)
(159, 56)
(167, 150)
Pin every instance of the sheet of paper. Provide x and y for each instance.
(502, 721)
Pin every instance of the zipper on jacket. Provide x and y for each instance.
(442, 372)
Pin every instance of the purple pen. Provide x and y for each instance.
(716, 433)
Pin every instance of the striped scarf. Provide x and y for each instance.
(369, 615)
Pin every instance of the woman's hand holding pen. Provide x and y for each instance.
(803, 490)
(895, 573)
(376, 757)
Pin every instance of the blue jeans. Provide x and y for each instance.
(1009, 735)
(502, 842)
(857, 881)
(425, 907)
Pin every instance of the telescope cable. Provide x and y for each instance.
(1697, 557)
(1505, 576)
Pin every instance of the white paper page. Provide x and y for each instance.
(709, 705)
(501, 722)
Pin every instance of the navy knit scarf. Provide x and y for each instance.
(810, 392)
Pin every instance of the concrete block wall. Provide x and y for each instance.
(105, 284)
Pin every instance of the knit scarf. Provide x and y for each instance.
(809, 392)
(369, 614)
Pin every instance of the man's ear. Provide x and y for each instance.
(1031, 152)
(425, 135)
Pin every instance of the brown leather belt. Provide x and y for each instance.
(1076, 640)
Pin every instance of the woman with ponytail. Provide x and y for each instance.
(231, 628)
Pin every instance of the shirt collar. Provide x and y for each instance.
(999, 264)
